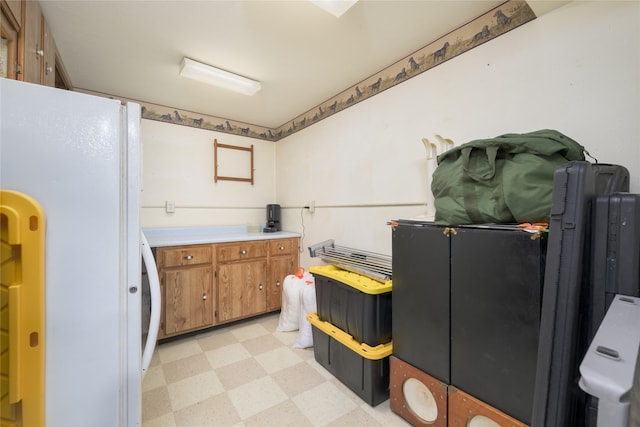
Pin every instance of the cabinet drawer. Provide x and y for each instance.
(241, 250)
(185, 255)
(283, 247)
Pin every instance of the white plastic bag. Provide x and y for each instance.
(290, 311)
(307, 305)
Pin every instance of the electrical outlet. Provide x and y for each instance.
(170, 206)
(312, 206)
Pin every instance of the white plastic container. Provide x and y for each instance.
(608, 366)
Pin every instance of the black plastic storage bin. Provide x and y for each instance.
(356, 304)
(362, 368)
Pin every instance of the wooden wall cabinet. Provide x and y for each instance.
(206, 285)
(33, 43)
(10, 25)
(29, 51)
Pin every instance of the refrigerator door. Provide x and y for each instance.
(78, 155)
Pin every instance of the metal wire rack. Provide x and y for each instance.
(370, 264)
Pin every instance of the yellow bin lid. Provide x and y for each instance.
(355, 280)
(372, 353)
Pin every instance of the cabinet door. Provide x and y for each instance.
(187, 299)
(421, 298)
(49, 66)
(9, 46)
(241, 289)
(33, 50)
(496, 297)
(279, 268)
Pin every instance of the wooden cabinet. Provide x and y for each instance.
(33, 46)
(48, 61)
(186, 281)
(28, 51)
(205, 285)
(10, 19)
(283, 260)
(242, 279)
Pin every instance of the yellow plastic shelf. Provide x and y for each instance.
(22, 233)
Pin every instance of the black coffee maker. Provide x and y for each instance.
(273, 219)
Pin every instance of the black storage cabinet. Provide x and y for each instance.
(421, 297)
(497, 279)
(466, 308)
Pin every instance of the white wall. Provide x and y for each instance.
(576, 69)
(178, 166)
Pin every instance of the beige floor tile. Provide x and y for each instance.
(239, 373)
(256, 396)
(194, 389)
(324, 404)
(247, 375)
(227, 355)
(270, 322)
(155, 403)
(298, 378)
(155, 359)
(215, 340)
(154, 378)
(261, 344)
(357, 417)
(176, 350)
(251, 330)
(304, 353)
(286, 414)
(166, 420)
(215, 411)
(287, 338)
(278, 359)
(384, 415)
(321, 369)
(185, 367)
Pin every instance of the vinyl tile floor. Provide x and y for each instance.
(247, 374)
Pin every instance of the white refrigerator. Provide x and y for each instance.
(79, 157)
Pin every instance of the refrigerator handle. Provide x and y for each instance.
(154, 286)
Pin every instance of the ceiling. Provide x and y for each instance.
(302, 55)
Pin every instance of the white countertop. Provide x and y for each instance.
(175, 236)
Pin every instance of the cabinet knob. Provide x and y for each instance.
(39, 52)
(260, 286)
(243, 252)
(278, 284)
(188, 257)
(281, 248)
(48, 69)
(204, 297)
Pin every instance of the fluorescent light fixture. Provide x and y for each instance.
(217, 77)
(334, 7)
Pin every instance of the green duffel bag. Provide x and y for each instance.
(507, 179)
